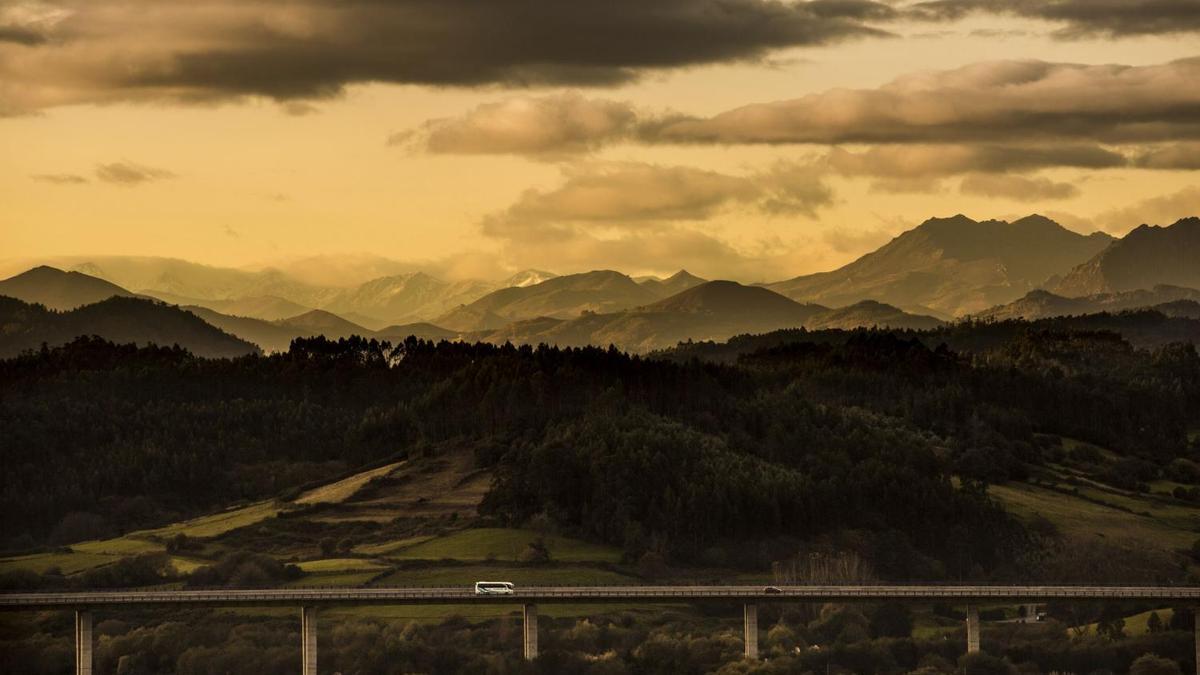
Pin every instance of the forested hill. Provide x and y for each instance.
(861, 434)
(26, 326)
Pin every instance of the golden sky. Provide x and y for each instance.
(737, 138)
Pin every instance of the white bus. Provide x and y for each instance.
(493, 588)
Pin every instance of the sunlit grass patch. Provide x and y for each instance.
(67, 563)
(389, 546)
(1080, 517)
(218, 523)
(121, 546)
(340, 565)
(342, 490)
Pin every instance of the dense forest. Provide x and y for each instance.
(788, 454)
(835, 431)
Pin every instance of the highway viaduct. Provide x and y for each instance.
(309, 600)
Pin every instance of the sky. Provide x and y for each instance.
(746, 139)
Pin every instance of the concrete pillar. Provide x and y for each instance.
(308, 641)
(530, 630)
(972, 629)
(751, 630)
(83, 642)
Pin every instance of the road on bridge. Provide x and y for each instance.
(600, 594)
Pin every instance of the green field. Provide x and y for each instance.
(393, 545)
(503, 544)
(122, 546)
(1134, 625)
(1167, 528)
(67, 563)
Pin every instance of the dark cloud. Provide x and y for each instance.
(313, 48)
(20, 35)
(128, 173)
(1079, 18)
(1177, 156)
(60, 178)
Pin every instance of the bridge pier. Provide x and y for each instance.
(972, 629)
(529, 628)
(750, 620)
(308, 641)
(83, 642)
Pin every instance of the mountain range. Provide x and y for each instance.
(931, 273)
(714, 310)
(1041, 304)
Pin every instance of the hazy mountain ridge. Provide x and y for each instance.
(1146, 257)
(269, 308)
(1040, 304)
(715, 310)
(120, 319)
(563, 297)
(952, 266)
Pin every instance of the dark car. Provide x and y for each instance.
(772, 590)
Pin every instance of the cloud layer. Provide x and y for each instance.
(991, 101)
(989, 117)
(1078, 18)
(631, 196)
(83, 50)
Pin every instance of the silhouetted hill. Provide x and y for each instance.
(1146, 257)
(119, 319)
(320, 322)
(59, 290)
(952, 266)
(424, 330)
(871, 314)
(561, 297)
(1040, 304)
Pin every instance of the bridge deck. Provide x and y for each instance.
(584, 594)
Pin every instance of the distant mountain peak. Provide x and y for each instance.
(530, 277)
(56, 289)
(1148, 256)
(952, 266)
